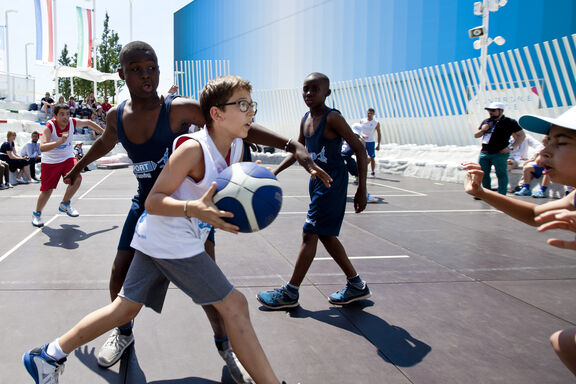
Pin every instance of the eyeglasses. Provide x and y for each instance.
(243, 105)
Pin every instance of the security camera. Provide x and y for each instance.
(476, 32)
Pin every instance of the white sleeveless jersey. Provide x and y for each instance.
(63, 151)
(166, 237)
(368, 128)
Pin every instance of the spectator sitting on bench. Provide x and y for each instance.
(532, 170)
(46, 105)
(523, 152)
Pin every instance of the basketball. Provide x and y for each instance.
(251, 192)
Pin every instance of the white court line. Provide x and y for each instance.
(407, 211)
(15, 248)
(372, 194)
(367, 257)
(95, 185)
(396, 188)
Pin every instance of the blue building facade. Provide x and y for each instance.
(275, 43)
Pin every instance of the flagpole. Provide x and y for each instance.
(94, 44)
(55, 49)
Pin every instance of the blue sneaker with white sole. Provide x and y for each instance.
(277, 299)
(43, 368)
(349, 294)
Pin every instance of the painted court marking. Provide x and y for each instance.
(34, 233)
(97, 184)
(367, 257)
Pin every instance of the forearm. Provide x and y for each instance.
(287, 162)
(97, 150)
(264, 136)
(518, 209)
(160, 204)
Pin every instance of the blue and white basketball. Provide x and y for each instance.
(251, 192)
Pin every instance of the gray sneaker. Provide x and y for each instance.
(234, 365)
(113, 348)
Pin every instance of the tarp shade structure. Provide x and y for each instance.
(84, 73)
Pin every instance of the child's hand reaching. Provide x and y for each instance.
(205, 210)
(558, 219)
(473, 182)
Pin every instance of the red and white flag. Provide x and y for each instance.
(44, 32)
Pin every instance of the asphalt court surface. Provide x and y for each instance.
(460, 292)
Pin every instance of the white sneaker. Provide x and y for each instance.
(371, 199)
(20, 180)
(237, 371)
(113, 348)
(67, 209)
(37, 219)
(9, 185)
(34, 181)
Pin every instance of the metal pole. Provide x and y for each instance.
(26, 55)
(130, 20)
(8, 77)
(483, 54)
(94, 43)
(55, 49)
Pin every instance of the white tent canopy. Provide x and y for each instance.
(84, 73)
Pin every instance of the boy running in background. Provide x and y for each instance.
(322, 130)
(57, 159)
(558, 158)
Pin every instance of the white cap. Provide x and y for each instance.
(540, 124)
(495, 105)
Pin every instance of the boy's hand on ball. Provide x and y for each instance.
(208, 212)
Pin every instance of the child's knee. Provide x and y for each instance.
(234, 304)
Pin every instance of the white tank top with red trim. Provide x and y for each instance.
(166, 237)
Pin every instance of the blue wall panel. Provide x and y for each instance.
(276, 43)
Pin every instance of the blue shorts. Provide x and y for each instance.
(370, 149)
(537, 171)
(327, 205)
(134, 214)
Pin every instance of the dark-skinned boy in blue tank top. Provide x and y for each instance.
(146, 125)
(322, 130)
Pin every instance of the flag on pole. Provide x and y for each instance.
(84, 37)
(44, 32)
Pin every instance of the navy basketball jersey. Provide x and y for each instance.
(325, 152)
(327, 205)
(150, 157)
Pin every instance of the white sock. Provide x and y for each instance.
(55, 351)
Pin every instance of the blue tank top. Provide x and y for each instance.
(324, 152)
(150, 157)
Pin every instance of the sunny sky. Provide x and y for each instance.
(151, 23)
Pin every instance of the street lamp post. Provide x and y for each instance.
(9, 78)
(483, 9)
(26, 52)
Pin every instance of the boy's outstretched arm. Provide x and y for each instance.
(260, 135)
(516, 208)
(99, 148)
(89, 123)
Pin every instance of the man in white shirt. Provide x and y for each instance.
(32, 150)
(368, 126)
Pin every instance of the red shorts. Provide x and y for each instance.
(51, 173)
